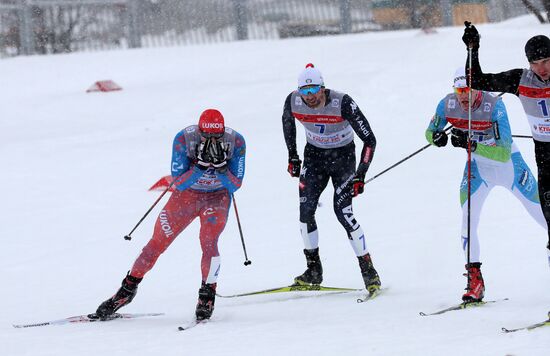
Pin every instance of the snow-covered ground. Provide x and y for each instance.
(76, 168)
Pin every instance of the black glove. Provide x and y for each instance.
(203, 157)
(218, 155)
(459, 138)
(440, 138)
(358, 184)
(471, 36)
(294, 166)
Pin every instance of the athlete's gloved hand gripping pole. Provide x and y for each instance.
(358, 184)
(294, 165)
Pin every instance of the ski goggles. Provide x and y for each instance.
(462, 90)
(309, 90)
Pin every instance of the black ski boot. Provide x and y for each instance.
(370, 276)
(123, 296)
(205, 305)
(314, 271)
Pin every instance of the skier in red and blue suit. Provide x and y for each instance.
(208, 164)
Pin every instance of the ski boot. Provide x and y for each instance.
(314, 271)
(475, 290)
(370, 276)
(205, 305)
(123, 296)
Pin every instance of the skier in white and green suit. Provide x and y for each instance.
(496, 161)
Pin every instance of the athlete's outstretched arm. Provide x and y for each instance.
(359, 123)
(507, 82)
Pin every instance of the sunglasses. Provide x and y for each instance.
(309, 90)
(463, 90)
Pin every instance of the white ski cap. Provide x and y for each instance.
(459, 79)
(310, 76)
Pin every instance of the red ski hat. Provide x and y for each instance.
(211, 123)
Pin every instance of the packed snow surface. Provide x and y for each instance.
(77, 166)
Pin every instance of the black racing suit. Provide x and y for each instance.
(508, 82)
(339, 163)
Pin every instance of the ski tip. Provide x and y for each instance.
(372, 294)
(423, 314)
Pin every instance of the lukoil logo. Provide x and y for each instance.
(164, 224)
(212, 125)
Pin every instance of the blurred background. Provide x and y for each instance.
(29, 27)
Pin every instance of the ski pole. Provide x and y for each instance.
(247, 261)
(129, 236)
(469, 154)
(403, 160)
(522, 136)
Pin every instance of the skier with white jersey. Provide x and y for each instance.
(330, 119)
(496, 161)
(532, 87)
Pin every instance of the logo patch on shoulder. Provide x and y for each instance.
(451, 104)
(297, 101)
(487, 107)
(335, 103)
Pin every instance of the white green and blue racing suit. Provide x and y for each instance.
(496, 161)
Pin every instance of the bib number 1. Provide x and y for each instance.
(543, 107)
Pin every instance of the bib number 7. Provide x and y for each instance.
(322, 128)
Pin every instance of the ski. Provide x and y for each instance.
(192, 324)
(293, 288)
(88, 318)
(373, 294)
(530, 327)
(463, 305)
